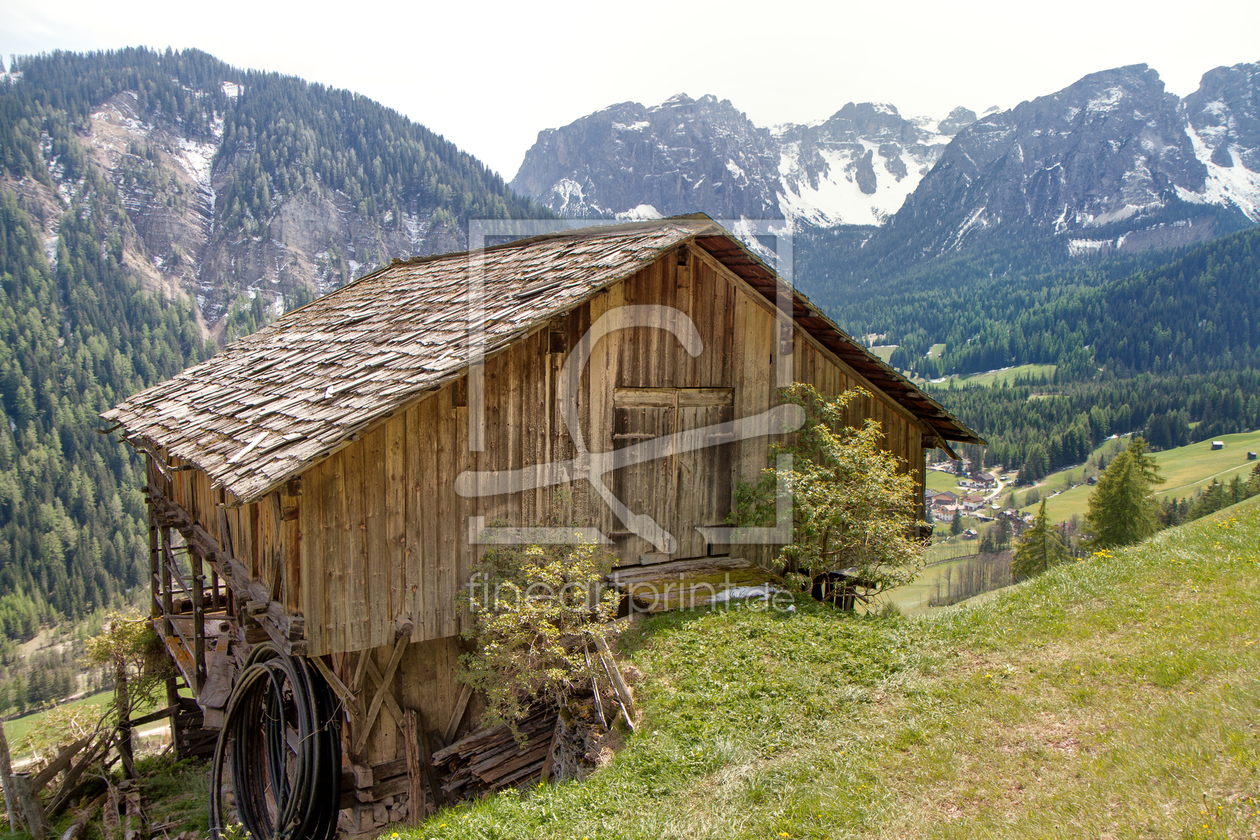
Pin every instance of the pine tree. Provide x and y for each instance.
(1039, 548)
(1121, 508)
(956, 526)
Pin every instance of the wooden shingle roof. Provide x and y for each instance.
(277, 401)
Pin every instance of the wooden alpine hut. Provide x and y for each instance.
(323, 485)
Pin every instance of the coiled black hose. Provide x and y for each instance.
(281, 739)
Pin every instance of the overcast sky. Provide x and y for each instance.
(490, 75)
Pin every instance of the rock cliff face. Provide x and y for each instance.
(168, 182)
(234, 189)
(629, 161)
(1112, 148)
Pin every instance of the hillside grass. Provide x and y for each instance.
(1114, 697)
(1186, 469)
(939, 482)
(18, 728)
(1006, 375)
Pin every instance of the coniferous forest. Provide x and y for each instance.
(75, 338)
(79, 330)
(1163, 343)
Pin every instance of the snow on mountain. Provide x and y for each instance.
(1114, 150)
(856, 167)
(859, 166)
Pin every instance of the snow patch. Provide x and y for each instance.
(734, 169)
(976, 219)
(1105, 101)
(231, 89)
(1088, 247)
(197, 158)
(1225, 185)
(1119, 215)
(50, 247)
(569, 199)
(837, 199)
(644, 212)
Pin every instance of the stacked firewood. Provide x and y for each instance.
(493, 758)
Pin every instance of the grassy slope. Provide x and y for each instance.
(939, 482)
(1186, 469)
(18, 728)
(1114, 697)
(1008, 375)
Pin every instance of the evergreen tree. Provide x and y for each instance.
(1121, 508)
(1039, 548)
(956, 525)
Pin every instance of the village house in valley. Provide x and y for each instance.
(323, 484)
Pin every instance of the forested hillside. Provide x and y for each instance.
(1169, 351)
(153, 205)
(240, 184)
(73, 339)
(1039, 427)
(1186, 316)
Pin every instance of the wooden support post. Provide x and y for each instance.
(168, 606)
(122, 703)
(415, 783)
(6, 774)
(426, 757)
(36, 820)
(172, 703)
(216, 601)
(154, 561)
(198, 586)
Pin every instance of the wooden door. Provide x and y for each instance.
(682, 481)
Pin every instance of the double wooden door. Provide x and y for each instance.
(682, 471)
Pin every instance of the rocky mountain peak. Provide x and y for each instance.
(958, 119)
(676, 157)
(1112, 148)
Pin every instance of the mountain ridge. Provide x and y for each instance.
(1113, 151)
(241, 184)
